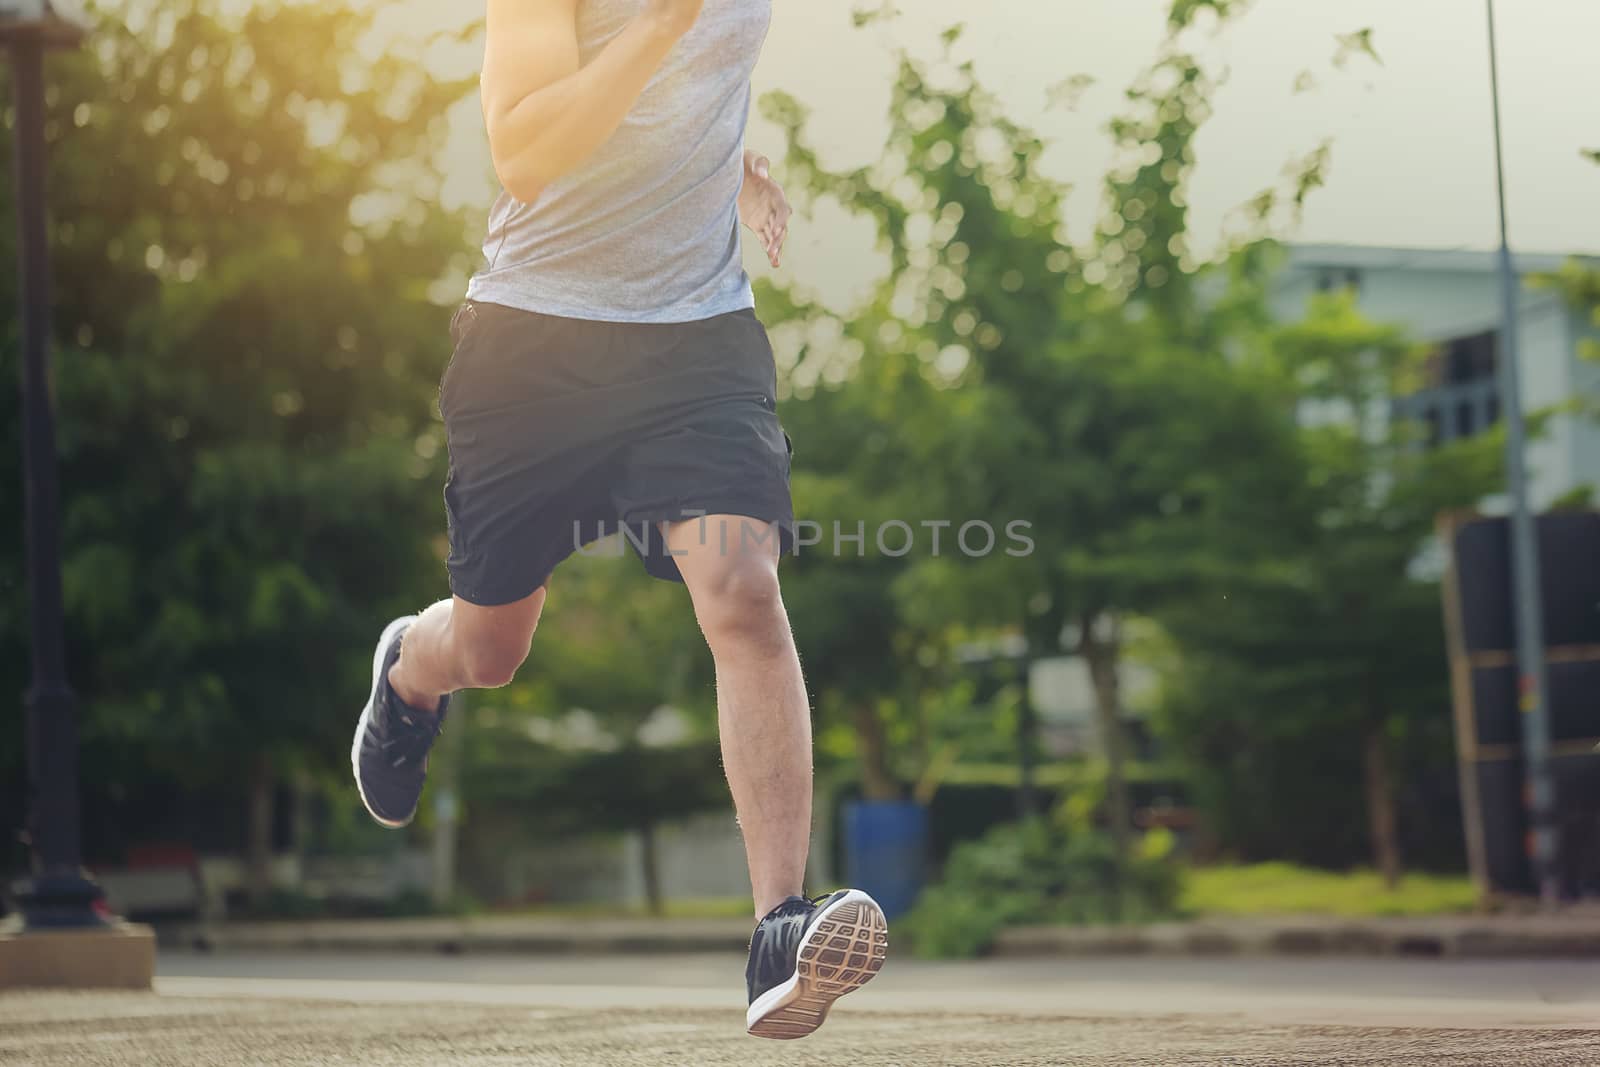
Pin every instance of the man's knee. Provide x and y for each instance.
(492, 663)
(743, 603)
(492, 649)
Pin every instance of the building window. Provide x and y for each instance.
(1330, 280)
(1461, 394)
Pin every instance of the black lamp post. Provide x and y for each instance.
(1544, 829)
(58, 893)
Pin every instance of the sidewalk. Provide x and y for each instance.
(1469, 937)
(1563, 936)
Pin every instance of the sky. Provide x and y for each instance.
(1412, 161)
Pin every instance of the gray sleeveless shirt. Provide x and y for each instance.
(647, 228)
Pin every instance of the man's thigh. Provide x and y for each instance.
(725, 556)
(708, 542)
(501, 625)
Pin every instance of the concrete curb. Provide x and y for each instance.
(506, 935)
(1460, 937)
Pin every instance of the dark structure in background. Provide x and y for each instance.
(1491, 703)
(57, 894)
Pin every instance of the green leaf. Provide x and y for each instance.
(1353, 44)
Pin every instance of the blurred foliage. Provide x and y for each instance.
(1579, 281)
(613, 725)
(246, 349)
(1314, 683)
(294, 904)
(616, 655)
(1180, 455)
(1056, 869)
(253, 273)
(1110, 391)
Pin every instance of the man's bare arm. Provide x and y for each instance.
(545, 112)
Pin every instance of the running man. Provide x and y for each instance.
(609, 369)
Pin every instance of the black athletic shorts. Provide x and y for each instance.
(562, 431)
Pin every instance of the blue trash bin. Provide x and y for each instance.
(886, 845)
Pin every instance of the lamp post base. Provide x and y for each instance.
(111, 956)
(61, 902)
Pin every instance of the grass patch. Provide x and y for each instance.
(1284, 889)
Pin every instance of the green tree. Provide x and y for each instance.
(247, 237)
(869, 662)
(1327, 654)
(1001, 372)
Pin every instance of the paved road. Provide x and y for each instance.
(470, 1011)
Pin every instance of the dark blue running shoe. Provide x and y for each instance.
(390, 753)
(807, 954)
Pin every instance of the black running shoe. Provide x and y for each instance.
(807, 954)
(390, 752)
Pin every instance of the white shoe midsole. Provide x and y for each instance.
(378, 657)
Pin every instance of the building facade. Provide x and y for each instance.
(1451, 300)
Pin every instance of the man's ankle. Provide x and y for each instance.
(413, 698)
(767, 903)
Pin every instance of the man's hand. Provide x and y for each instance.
(763, 207)
(673, 17)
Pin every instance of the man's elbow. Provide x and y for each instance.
(516, 157)
(523, 190)
(518, 178)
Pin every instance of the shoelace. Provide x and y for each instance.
(408, 738)
(797, 906)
